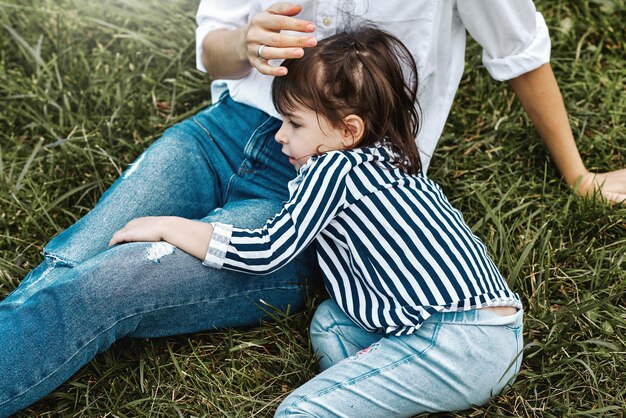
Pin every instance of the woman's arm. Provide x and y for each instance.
(231, 54)
(540, 96)
(516, 47)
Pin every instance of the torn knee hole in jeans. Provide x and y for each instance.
(54, 260)
(157, 250)
(371, 349)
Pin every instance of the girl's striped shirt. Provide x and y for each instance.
(392, 249)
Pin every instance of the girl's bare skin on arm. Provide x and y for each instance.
(191, 236)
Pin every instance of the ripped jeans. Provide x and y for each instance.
(222, 164)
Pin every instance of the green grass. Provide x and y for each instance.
(86, 86)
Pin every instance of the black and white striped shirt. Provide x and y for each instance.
(392, 249)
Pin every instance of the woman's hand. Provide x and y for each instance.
(264, 29)
(611, 185)
(147, 229)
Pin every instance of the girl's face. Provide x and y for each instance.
(304, 134)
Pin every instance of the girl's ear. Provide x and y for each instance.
(353, 130)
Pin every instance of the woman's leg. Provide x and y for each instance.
(188, 172)
(138, 290)
(85, 295)
(185, 173)
(454, 361)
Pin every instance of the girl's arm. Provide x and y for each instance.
(315, 203)
(191, 236)
(540, 96)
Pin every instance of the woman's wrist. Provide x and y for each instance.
(574, 175)
(224, 53)
(242, 49)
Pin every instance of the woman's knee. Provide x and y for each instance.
(177, 146)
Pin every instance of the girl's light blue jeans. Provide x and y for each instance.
(455, 360)
(222, 164)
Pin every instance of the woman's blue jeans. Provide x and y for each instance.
(222, 164)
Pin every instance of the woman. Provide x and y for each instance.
(224, 165)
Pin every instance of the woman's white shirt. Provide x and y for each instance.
(513, 35)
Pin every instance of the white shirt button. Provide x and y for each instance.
(327, 21)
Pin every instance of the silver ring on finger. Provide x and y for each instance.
(259, 52)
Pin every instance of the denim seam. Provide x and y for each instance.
(247, 150)
(516, 367)
(245, 168)
(518, 361)
(376, 372)
(340, 343)
(477, 322)
(218, 182)
(125, 318)
(336, 334)
(513, 329)
(203, 128)
(227, 192)
(334, 325)
(250, 144)
(219, 101)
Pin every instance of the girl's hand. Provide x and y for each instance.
(264, 29)
(611, 185)
(147, 229)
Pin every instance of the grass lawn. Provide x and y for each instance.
(86, 86)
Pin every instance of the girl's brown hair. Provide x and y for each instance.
(358, 71)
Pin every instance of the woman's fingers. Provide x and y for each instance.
(264, 68)
(275, 53)
(262, 35)
(285, 8)
(278, 22)
(265, 30)
(281, 40)
(272, 53)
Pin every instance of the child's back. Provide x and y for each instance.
(396, 251)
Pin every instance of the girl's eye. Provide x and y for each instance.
(293, 124)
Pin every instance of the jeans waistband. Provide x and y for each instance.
(478, 317)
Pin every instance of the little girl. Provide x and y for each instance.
(419, 318)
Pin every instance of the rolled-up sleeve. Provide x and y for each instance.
(513, 35)
(218, 14)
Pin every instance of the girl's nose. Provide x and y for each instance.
(280, 135)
